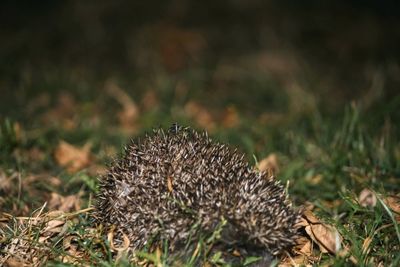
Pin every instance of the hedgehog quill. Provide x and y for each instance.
(175, 187)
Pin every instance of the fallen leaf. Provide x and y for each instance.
(54, 181)
(300, 260)
(200, 114)
(367, 198)
(55, 213)
(307, 248)
(269, 164)
(130, 112)
(394, 204)
(43, 239)
(97, 170)
(55, 200)
(314, 180)
(302, 223)
(236, 253)
(230, 117)
(149, 100)
(64, 111)
(13, 262)
(67, 242)
(64, 204)
(110, 238)
(325, 236)
(53, 226)
(72, 157)
(310, 217)
(303, 246)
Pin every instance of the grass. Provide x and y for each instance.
(314, 86)
(327, 158)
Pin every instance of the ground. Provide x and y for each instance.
(312, 99)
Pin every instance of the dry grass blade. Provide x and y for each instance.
(30, 241)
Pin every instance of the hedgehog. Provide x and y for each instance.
(177, 186)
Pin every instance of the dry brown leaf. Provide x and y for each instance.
(13, 262)
(73, 257)
(125, 244)
(64, 111)
(325, 236)
(269, 164)
(26, 248)
(314, 180)
(300, 260)
(303, 246)
(54, 181)
(200, 114)
(55, 213)
(150, 100)
(70, 203)
(302, 223)
(67, 242)
(394, 204)
(73, 253)
(97, 170)
(236, 253)
(44, 238)
(367, 198)
(307, 248)
(130, 112)
(310, 217)
(53, 226)
(64, 204)
(230, 117)
(55, 200)
(72, 157)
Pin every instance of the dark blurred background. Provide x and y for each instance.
(255, 55)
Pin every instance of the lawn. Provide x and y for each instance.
(326, 126)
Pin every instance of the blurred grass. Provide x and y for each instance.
(327, 159)
(282, 81)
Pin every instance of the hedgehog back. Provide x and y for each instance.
(168, 182)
